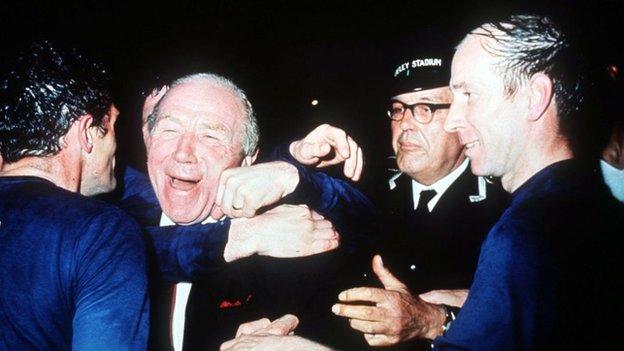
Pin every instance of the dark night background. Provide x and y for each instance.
(283, 53)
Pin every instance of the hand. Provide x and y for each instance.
(284, 231)
(455, 298)
(244, 190)
(284, 325)
(316, 147)
(148, 107)
(396, 315)
(263, 334)
(272, 343)
(151, 100)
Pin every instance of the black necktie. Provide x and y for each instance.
(425, 197)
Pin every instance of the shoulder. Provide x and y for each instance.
(518, 237)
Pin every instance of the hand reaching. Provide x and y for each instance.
(390, 315)
(316, 147)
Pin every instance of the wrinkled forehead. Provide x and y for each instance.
(204, 100)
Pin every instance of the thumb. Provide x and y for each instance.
(322, 149)
(389, 281)
(308, 152)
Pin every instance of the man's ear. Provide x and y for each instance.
(541, 94)
(249, 160)
(85, 132)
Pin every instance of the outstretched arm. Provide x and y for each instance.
(352, 213)
(185, 253)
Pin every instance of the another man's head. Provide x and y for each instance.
(516, 90)
(56, 104)
(418, 112)
(202, 126)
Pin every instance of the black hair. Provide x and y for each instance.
(44, 91)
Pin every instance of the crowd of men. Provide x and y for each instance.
(498, 230)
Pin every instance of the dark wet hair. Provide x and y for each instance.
(43, 92)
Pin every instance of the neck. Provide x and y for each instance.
(536, 157)
(52, 168)
(429, 178)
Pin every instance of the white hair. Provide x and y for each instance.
(251, 133)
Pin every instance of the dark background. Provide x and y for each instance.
(283, 53)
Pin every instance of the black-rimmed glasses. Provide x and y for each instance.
(423, 112)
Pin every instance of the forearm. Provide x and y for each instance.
(239, 244)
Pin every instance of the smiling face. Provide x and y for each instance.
(489, 122)
(425, 152)
(196, 136)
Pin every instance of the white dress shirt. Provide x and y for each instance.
(182, 291)
(440, 186)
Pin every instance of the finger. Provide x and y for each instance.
(433, 296)
(388, 280)
(227, 345)
(334, 161)
(320, 246)
(240, 204)
(321, 149)
(162, 92)
(351, 162)
(316, 215)
(253, 326)
(216, 212)
(380, 340)
(359, 165)
(322, 223)
(308, 152)
(229, 191)
(363, 294)
(325, 234)
(221, 187)
(283, 325)
(338, 139)
(247, 212)
(370, 327)
(455, 298)
(365, 313)
(238, 200)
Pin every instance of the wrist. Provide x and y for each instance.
(437, 320)
(290, 177)
(240, 242)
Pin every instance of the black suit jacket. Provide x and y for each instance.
(439, 250)
(259, 287)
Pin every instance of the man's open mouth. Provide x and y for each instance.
(182, 184)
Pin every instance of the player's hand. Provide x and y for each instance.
(243, 191)
(326, 146)
(284, 231)
(390, 315)
(455, 298)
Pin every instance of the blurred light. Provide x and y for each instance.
(314, 102)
